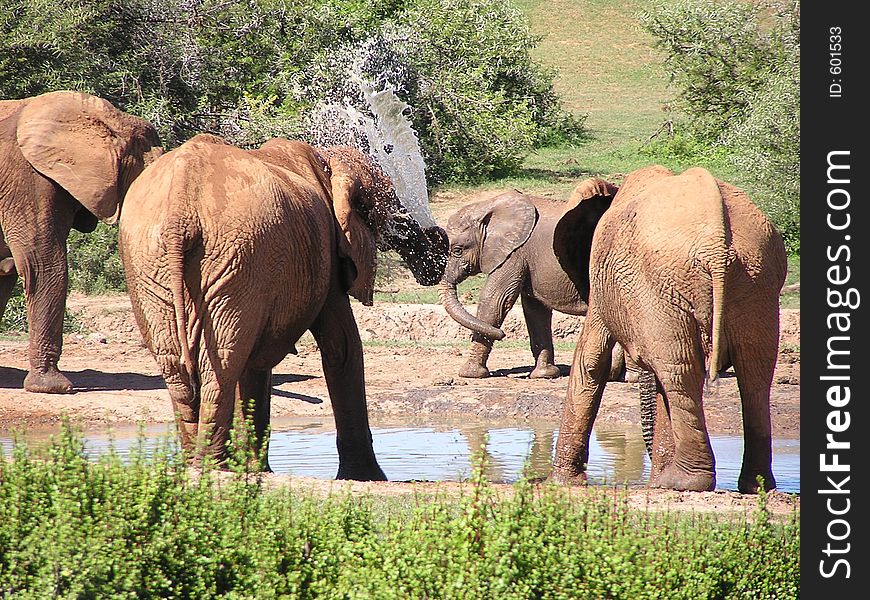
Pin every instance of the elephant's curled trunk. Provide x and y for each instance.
(450, 302)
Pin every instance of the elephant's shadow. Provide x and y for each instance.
(98, 381)
(278, 379)
(563, 369)
(89, 380)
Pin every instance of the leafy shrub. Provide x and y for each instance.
(480, 101)
(765, 145)
(94, 264)
(736, 68)
(145, 526)
(254, 70)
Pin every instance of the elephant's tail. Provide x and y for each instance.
(718, 308)
(718, 268)
(175, 236)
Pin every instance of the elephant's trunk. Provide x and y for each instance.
(454, 308)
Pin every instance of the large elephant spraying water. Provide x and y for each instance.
(231, 255)
(66, 161)
(685, 273)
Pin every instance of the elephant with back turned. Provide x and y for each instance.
(685, 274)
(231, 255)
(66, 161)
(510, 238)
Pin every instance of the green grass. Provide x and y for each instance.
(147, 528)
(468, 291)
(607, 69)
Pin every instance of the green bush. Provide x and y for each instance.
(94, 264)
(254, 70)
(480, 102)
(765, 146)
(736, 68)
(145, 526)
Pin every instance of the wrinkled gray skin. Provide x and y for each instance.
(66, 161)
(510, 238)
(685, 275)
(231, 255)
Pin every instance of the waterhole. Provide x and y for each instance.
(429, 449)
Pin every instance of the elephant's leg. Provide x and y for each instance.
(497, 297)
(217, 395)
(539, 321)
(682, 380)
(586, 383)
(45, 289)
(185, 401)
(255, 398)
(337, 336)
(663, 445)
(754, 356)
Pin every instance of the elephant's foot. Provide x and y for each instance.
(473, 370)
(369, 472)
(674, 478)
(545, 372)
(748, 484)
(570, 478)
(50, 381)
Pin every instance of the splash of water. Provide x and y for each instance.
(393, 144)
(387, 136)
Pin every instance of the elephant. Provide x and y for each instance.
(510, 238)
(66, 161)
(230, 255)
(685, 273)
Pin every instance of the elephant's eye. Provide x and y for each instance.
(456, 251)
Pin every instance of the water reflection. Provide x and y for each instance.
(420, 450)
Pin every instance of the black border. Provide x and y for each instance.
(833, 124)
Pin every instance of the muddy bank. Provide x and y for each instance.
(412, 355)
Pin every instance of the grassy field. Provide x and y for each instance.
(607, 70)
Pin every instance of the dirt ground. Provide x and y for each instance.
(412, 355)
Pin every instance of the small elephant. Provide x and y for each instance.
(231, 255)
(685, 274)
(510, 238)
(66, 160)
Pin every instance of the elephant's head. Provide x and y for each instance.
(366, 203)
(88, 147)
(482, 235)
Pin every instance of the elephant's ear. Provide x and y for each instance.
(508, 222)
(356, 242)
(64, 138)
(572, 237)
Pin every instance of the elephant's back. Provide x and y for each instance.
(662, 242)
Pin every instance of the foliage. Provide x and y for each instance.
(258, 69)
(94, 264)
(145, 526)
(480, 103)
(766, 146)
(736, 66)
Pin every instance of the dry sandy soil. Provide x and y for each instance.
(412, 355)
